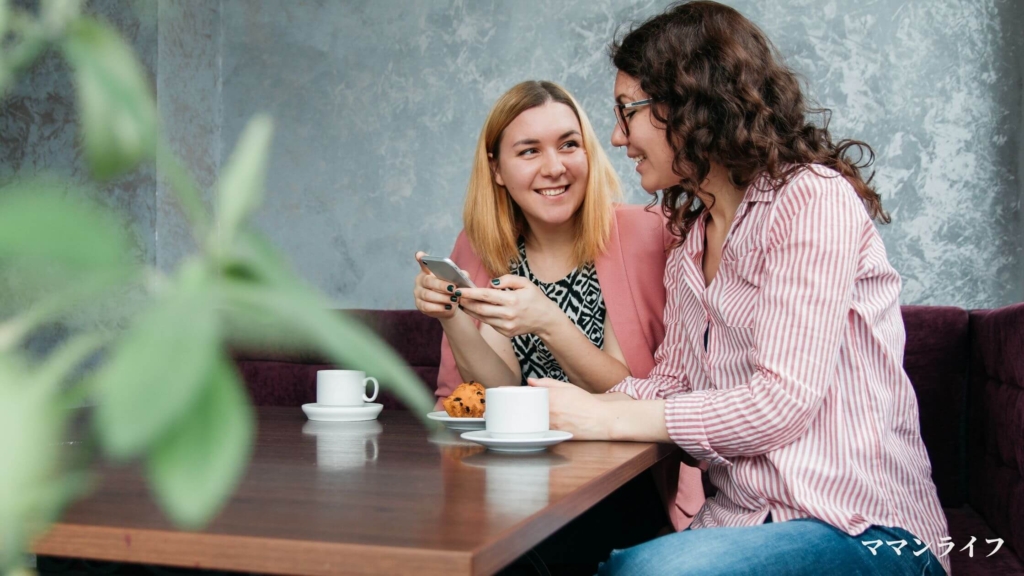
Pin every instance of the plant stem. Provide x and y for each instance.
(189, 196)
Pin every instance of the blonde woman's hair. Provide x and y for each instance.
(493, 222)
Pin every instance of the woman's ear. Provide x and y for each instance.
(495, 171)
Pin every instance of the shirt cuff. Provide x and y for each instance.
(685, 423)
(638, 388)
(626, 387)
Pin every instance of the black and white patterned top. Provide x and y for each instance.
(579, 297)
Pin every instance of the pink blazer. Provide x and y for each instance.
(631, 272)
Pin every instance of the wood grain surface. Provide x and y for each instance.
(382, 497)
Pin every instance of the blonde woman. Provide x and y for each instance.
(569, 282)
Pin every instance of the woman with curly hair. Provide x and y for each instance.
(781, 368)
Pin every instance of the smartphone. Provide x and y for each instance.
(446, 270)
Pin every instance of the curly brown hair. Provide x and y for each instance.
(724, 96)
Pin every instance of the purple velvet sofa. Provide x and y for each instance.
(967, 369)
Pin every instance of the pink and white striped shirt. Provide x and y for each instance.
(800, 403)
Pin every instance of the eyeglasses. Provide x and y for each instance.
(623, 119)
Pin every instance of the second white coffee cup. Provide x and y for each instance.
(344, 388)
(516, 412)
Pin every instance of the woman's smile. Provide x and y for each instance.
(552, 192)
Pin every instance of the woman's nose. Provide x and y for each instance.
(552, 166)
(619, 138)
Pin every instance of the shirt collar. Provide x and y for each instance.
(760, 190)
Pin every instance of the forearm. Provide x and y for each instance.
(474, 357)
(586, 365)
(638, 421)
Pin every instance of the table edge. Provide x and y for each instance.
(244, 553)
(291, 556)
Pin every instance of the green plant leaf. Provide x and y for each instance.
(116, 106)
(240, 189)
(30, 427)
(196, 466)
(26, 41)
(55, 15)
(43, 227)
(253, 257)
(157, 368)
(343, 339)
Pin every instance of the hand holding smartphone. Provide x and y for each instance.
(446, 270)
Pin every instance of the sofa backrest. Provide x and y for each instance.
(995, 439)
(936, 360)
(288, 378)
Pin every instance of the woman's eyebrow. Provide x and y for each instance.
(534, 141)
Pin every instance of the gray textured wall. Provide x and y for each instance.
(1020, 151)
(38, 139)
(188, 93)
(378, 105)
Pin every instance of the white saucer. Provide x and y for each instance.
(550, 438)
(367, 411)
(457, 423)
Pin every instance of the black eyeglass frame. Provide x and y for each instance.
(620, 113)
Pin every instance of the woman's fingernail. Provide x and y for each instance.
(447, 306)
(458, 292)
(495, 281)
(455, 299)
(451, 287)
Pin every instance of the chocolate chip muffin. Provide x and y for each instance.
(467, 401)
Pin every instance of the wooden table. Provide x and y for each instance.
(380, 497)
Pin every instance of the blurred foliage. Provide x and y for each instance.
(164, 387)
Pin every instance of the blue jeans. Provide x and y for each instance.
(803, 546)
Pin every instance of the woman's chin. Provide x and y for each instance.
(551, 220)
(650, 187)
(653, 185)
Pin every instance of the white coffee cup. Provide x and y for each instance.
(516, 412)
(343, 388)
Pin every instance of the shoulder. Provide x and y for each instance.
(638, 224)
(634, 219)
(816, 183)
(819, 197)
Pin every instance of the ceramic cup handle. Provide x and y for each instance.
(376, 388)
